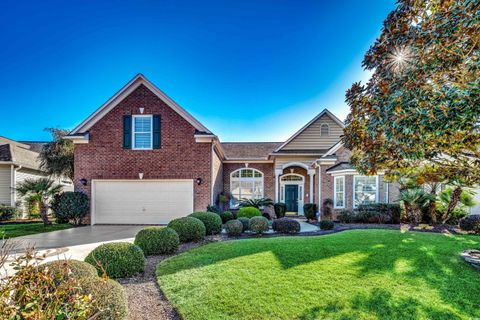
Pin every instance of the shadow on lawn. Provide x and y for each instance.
(430, 259)
(380, 303)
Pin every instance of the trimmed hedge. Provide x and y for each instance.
(7, 212)
(326, 225)
(70, 206)
(226, 216)
(234, 228)
(245, 222)
(310, 211)
(157, 240)
(188, 229)
(117, 259)
(280, 209)
(471, 223)
(109, 298)
(212, 221)
(372, 213)
(76, 268)
(248, 212)
(258, 225)
(286, 225)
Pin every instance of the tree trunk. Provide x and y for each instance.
(432, 205)
(44, 214)
(454, 199)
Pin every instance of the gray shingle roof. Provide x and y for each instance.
(5, 154)
(341, 166)
(19, 153)
(249, 150)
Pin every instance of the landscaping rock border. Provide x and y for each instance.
(472, 257)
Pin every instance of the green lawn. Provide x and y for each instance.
(358, 274)
(18, 230)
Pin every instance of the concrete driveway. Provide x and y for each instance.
(74, 243)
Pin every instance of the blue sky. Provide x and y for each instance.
(248, 70)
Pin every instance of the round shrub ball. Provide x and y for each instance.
(234, 228)
(157, 240)
(75, 268)
(188, 229)
(226, 216)
(245, 222)
(248, 212)
(286, 225)
(211, 220)
(258, 225)
(108, 297)
(326, 225)
(117, 259)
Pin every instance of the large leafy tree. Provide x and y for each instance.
(420, 111)
(56, 157)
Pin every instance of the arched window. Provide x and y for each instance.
(245, 183)
(324, 130)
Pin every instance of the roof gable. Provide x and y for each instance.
(309, 138)
(133, 84)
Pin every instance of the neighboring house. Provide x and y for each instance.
(18, 162)
(143, 159)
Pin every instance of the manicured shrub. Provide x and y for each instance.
(234, 228)
(286, 225)
(280, 209)
(188, 229)
(75, 268)
(327, 209)
(212, 221)
(109, 298)
(378, 213)
(70, 206)
(248, 212)
(157, 240)
(117, 259)
(7, 212)
(258, 225)
(471, 223)
(326, 225)
(346, 216)
(226, 216)
(310, 211)
(245, 222)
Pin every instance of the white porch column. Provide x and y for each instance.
(311, 174)
(278, 172)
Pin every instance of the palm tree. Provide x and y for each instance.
(257, 203)
(414, 200)
(40, 191)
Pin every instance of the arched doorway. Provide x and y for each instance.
(292, 186)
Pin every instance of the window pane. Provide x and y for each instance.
(339, 191)
(247, 173)
(143, 124)
(258, 174)
(365, 190)
(143, 140)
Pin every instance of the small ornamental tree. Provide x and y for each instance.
(71, 206)
(420, 111)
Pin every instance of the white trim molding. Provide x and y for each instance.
(353, 188)
(295, 164)
(301, 189)
(335, 192)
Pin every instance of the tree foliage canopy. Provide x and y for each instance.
(56, 157)
(420, 111)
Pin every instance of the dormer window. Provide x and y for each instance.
(142, 132)
(324, 130)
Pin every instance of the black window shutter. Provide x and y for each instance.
(156, 131)
(127, 132)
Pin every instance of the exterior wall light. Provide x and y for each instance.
(83, 181)
(199, 181)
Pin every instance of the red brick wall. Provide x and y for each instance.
(268, 176)
(179, 157)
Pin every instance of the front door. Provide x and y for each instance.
(291, 197)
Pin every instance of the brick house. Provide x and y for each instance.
(143, 159)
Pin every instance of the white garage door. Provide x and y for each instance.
(140, 201)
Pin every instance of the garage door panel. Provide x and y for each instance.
(141, 201)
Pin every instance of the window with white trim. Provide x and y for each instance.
(245, 183)
(339, 192)
(142, 132)
(324, 130)
(365, 189)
